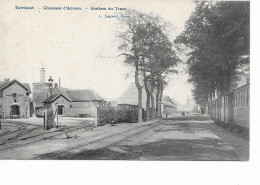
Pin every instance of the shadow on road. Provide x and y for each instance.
(191, 140)
(190, 117)
(166, 149)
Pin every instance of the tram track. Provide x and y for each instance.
(56, 153)
(81, 157)
(12, 134)
(48, 135)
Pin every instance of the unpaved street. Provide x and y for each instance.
(184, 138)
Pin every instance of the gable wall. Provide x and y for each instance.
(22, 100)
(61, 101)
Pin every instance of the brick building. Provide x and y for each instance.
(73, 103)
(67, 102)
(14, 99)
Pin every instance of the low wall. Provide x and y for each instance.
(79, 112)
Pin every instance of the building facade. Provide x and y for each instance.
(64, 101)
(14, 99)
(169, 107)
(73, 103)
(130, 96)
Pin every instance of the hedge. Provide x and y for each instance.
(118, 114)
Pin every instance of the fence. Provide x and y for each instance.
(234, 107)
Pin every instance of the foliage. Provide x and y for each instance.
(216, 38)
(146, 47)
(106, 115)
(129, 46)
(114, 115)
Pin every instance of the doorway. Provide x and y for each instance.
(15, 110)
(61, 110)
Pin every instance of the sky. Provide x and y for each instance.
(79, 47)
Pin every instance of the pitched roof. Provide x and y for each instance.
(7, 84)
(130, 96)
(168, 101)
(27, 86)
(84, 95)
(61, 90)
(40, 98)
(53, 98)
(73, 95)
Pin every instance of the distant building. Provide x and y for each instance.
(14, 99)
(40, 93)
(178, 105)
(111, 101)
(67, 102)
(169, 107)
(73, 103)
(189, 105)
(130, 96)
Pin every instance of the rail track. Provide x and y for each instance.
(56, 153)
(82, 156)
(20, 136)
(20, 127)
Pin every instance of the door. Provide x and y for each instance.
(15, 110)
(60, 110)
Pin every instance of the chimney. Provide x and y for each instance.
(59, 82)
(6, 80)
(55, 85)
(42, 75)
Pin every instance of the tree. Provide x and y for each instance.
(217, 40)
(158, 60)
(129, 45)
(146, 46)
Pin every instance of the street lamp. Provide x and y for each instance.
(50, 80)
(50, 84)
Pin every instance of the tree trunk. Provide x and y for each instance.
(152, 100)
(160, 99)
(148, 97)
(140, 107)
(157, 102)
(157, 98)
(209, 109)
(153, 106)
(159, 108)
(139, 87)
(148, 106)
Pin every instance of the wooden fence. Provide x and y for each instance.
(233, 107)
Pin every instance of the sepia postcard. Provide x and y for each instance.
(125, 80)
